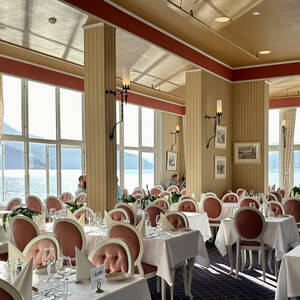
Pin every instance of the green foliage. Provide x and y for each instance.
(128, 199)
(74, 206)
(295, 191)
(24, 211)
(174, 197)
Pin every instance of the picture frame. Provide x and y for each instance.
(171, 161)
(221, 135)
(220, 167)
(247, 153)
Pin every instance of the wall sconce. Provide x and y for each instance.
(283, 128)
(124, 96)
(177, 130)
(217, 118)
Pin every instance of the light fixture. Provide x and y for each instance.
(283, 128)
(222, 19)
(177, 130)
(263, 52)
(217, 118)
(256, 13)
(52, 20)
(124, 96)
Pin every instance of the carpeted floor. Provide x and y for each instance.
(215, 283)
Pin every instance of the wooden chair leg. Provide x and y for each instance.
(276, 268)
(259, 257)
(250, 260)
(263, 261)
(230, 259)
(185, 283)
(270, 260)
(237, 260)
(163, 289)
(157, 284)
(243, 256)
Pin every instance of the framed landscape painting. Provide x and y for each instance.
(171, 161)
(220, 140)
(246, 153)
(220, 167)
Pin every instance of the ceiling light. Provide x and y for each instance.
(256, 13)
(222, 19)
(52, 20)
(264, 52)
(2, 27)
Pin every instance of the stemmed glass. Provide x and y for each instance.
(64, 268)
(98, 220)
(251, 192)
(48, 259)
(52, 212)
(88, 216)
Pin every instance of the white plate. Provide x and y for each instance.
(118, 276)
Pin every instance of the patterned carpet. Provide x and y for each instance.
(215, 283)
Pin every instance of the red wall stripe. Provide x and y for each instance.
(284, 102)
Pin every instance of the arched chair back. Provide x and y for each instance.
(70, 235)
(138, 196)
(165, 195)
(162, 202)
(115, 254)
(155, 191)
(34, 203)
(230, 198)
(130, 212)
(278, 195)
(23, 230)
(53, 202)
(273, 187)
(188, 205)
(213, 207)
(239, 192)
(138, 190)
(119, 214)
(184, 197)
(36, 246)
(210, 194)
(124, 191)
(177, 219)
(276, 208)
(9, 292)
(82, 210)
(173, 188)
(282, 192)
(81, 198)
(153, 210)
(14, 202)
(160, 187)
(183, 192)
(66, 197)
(246, 202)
(292, 207)
(133, 239)
(272, 197)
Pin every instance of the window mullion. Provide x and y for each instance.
(58, 146)
(25, 131)
(140, 146)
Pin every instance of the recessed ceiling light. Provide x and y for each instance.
(52, 20)
(256, 13)
(222, 19)
(2, 27)
(264, 52)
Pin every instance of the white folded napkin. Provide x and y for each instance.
(70, 215)
(141, 226)
(40, 221)
(83, 266)
(23, 283)
(165, 224)
(81, 220)
(107, 219)
(133, 205)
(14, 254)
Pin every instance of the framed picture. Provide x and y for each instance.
(246, 153)
(220, 167)
(220, 140)
(171, 161)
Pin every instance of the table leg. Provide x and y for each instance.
(172, 287)
(229, 249)
(163, 289)
(191, 262)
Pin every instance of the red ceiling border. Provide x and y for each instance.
(284, 102)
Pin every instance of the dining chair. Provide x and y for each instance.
(138, 190)
(188, 205)
(23, 230)
(53, 202)
(160, 187)
(14, 202)
(230, 198)
(282, 192)
(130, 212)
(36, 246)
(247, 202)
(162, 202)
(8, 291)
(278, 195)
(173, 188)
(239, 192)
(183, 191)
(292, 207)
(177, 219)
(155, 191)
(272, 197)
(124, 191)
(210, 194)
(276, 208)
(66, 197)
(138, 196)
(164, 194)
(183, 197)
(81, 198)
(119, 214)
(70, 235)
(153, 210)
(82, 210)
(249, 224)
(34, 203)
(115, 254)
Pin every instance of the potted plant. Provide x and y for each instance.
(295, 191)
(174, 197)
(74, 206)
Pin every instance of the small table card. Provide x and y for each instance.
(97, 276)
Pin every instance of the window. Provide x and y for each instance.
(136, 144)
(37, 161)
(274, 168)
(296, 168)
(296, 158)
(274, 127)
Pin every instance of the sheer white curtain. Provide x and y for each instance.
(1, 106)
(288, 151)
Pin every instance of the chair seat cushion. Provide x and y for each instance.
(250, 243)
(214, 221)
(147, 269)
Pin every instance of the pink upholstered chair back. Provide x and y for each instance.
(173, 188)
(34, 203)
(9, 292)
(66, 197)
(138, 191)
(177, 219)
(155, 191)
(125, 192)
(164, 194)
(230, 198)
(53, 202)
(210, 194)
(138, 196)
(70, 235)
(187, 205)
(246, 202)
(37, 245)
(273, 187)
(282, 192)
(184, 197)
(249, 223)
(213, 207)
(278, 196)
(162, 203)
(24, 230)
(276, 208)
(153, 210)
(130, 212)
(79, 212)
(271, 197)
(292, 207)
(119, 214)
(13, 203)
(81, 198)
(183, 192)
(240, 192)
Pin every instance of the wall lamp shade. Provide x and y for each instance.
(177, 131)
(219, 106)
(126, 79)
(177, 128)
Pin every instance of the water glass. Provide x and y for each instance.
(64, 266)
(98, 220)
(48, 259)
(88, 216)
(52, 212)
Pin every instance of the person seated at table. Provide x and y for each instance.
(82, 184)
(172, 181)
(119, 192)
(182, 183)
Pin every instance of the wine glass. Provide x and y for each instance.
(88, 216)
(251, 192)
(52, 212)
(64, 268)
(98, 220)
(48, 259)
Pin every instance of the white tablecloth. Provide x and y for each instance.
(289, 276)
(280, 233)
(229, 209)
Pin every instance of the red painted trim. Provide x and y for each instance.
(118, 18)
(284, 102)
(26, 70)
